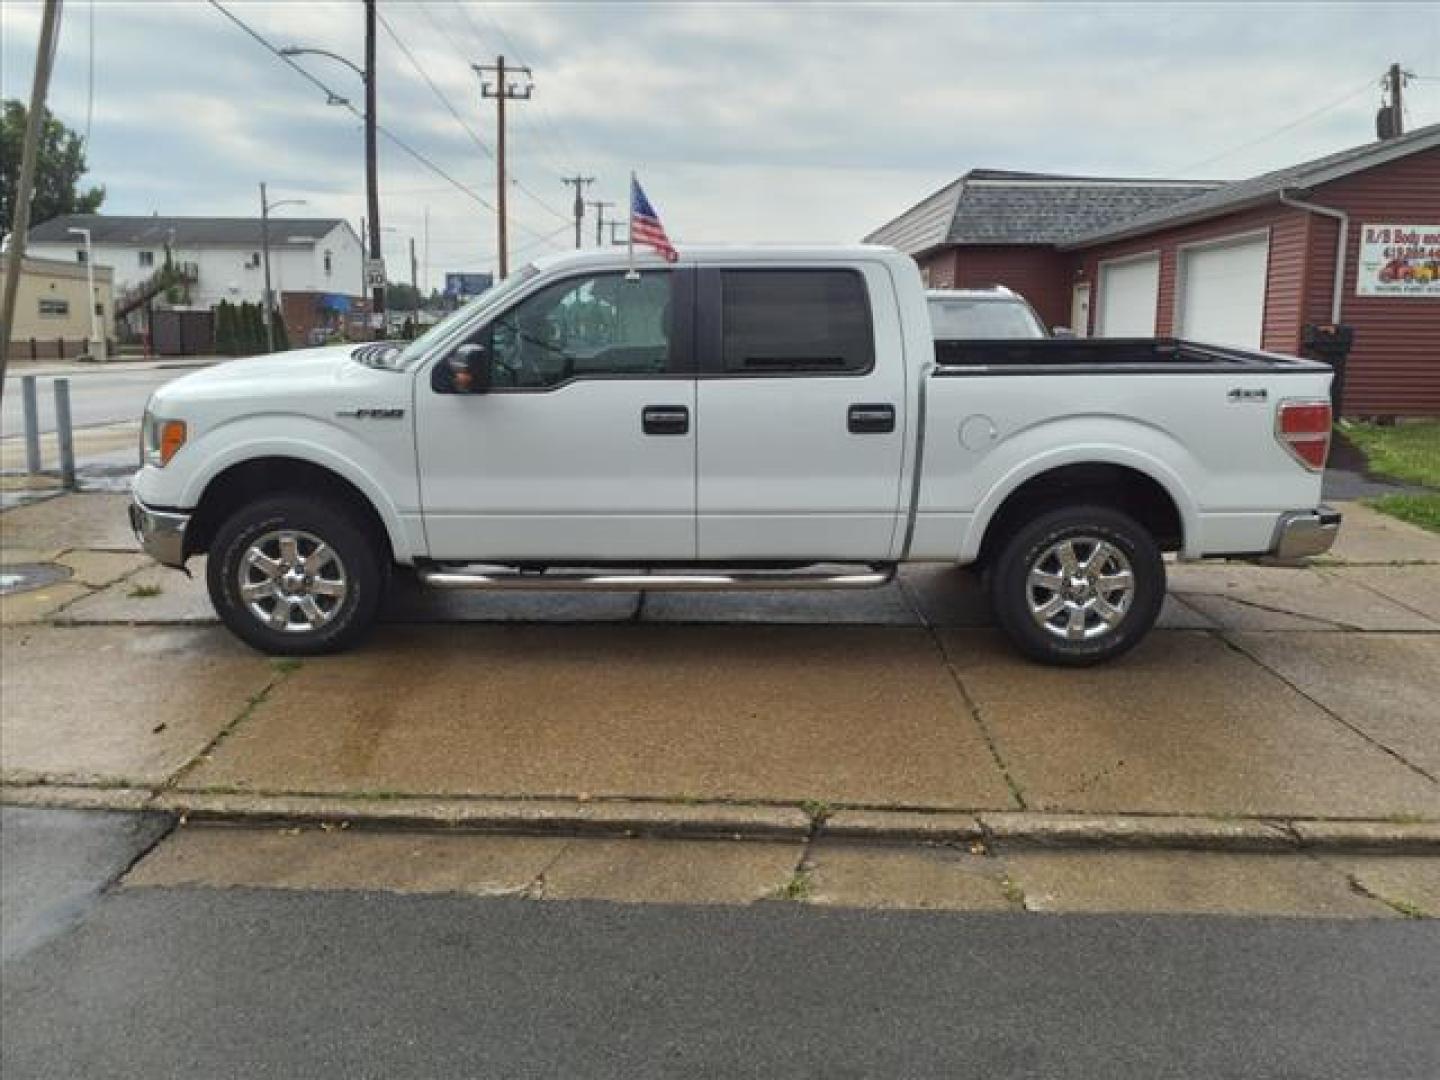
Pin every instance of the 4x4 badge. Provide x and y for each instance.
(1238, 394)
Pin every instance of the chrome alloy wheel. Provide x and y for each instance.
(1080, 588)
(292, 581)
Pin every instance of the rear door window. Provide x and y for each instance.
(787, 322)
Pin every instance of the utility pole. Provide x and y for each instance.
(1397, 112)
(372, 181)
(600, 206)
(25, 188)
(502, 91)
(580, 183)
(415, 288)
(265, 207)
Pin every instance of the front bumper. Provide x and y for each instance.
(1299, 533)
(160, 532)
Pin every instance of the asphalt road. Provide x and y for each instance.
(99, 397)
(196, 982)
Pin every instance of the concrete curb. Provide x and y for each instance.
(1000, 830)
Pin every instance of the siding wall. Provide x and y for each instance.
(1394, 366)
(1036, 272)
(1285, 271)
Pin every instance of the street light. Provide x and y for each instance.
(97, 336)
(265, 207)
(372, 182)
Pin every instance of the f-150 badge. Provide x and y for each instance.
(372, 414)
(1238, 394)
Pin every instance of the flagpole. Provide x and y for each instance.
(631, 274)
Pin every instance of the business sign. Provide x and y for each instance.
(374, 273)
(464, 286)
(1399, 260)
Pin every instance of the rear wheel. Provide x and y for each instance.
(295, 577)
(1078, 585)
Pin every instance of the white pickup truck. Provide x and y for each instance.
(742, 418)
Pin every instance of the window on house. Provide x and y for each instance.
(54, 308)
(80, 255)
(327, 264)
(147, 258)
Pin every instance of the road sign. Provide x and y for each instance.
(374, 273)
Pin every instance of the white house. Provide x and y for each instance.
(307, 255)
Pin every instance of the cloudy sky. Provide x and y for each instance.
(753, 121)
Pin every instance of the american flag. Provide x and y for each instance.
(645, 227)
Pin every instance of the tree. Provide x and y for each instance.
(58, 169)
(400, 296)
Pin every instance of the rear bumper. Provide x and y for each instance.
(160, 532)
(1299, 533)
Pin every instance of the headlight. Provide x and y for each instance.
(160, 439)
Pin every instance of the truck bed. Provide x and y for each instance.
(1062, 356)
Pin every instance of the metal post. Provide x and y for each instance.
(265, 256)
(32, 424)
(64, 435)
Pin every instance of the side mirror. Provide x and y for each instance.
(469, 368)
(1062, 332)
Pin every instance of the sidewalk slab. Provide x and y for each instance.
(39, 605)
(1368, 536)
(97, 520)
(108, 705)
(1386, 685)
(1409, 884)
(97, 569)
(1210, 883)
(1414, 587)
(670, 871)
(910, 876)
(1182, 725)
(885, 606)
(153, 595)
(841, 714)
(1242, 597)
(221, 856)
(410, 601)
(946, 595)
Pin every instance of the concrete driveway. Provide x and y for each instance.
(1268, 694)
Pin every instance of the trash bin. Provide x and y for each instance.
(1331, 344)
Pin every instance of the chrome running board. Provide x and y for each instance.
(508, 577)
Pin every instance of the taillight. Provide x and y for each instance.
(1303, 428)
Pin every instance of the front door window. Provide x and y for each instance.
(602, 325)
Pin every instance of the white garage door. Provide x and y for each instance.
(1129, 294)
(1222, 291)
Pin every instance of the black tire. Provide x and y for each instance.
(1104, 634)
(359, 563)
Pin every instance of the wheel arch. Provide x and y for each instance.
(1157, 504)
(279, 474)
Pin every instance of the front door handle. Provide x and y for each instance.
(665, 420)
(872, 419)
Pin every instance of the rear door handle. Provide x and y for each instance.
(665, 420)
(872, 419)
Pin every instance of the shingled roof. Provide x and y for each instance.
(993, 206)
(1267, 186)
(184, 232)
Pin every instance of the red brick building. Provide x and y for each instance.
(1251, 263)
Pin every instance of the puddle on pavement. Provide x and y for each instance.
(25, 577)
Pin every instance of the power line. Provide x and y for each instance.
(514, 180)
(1369, 84)
(336, 99)
(563, 145)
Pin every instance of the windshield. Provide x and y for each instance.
(463, 316)
(965, 318)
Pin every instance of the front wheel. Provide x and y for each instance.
(295, 576)
(1078, 585)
